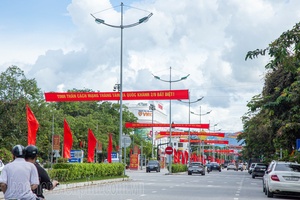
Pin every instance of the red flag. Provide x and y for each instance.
(33, 126)
(109, 148)
(183, 158)
(68, 140)
(92, 141)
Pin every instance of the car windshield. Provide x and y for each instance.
(287, 167)
(152, 162)
(195, 164)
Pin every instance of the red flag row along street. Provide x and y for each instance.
(33, 126)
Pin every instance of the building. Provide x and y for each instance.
(144, 114)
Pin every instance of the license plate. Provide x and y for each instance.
(291, 178)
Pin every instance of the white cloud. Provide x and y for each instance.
(206, 39)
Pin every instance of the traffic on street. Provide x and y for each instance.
(225, 185)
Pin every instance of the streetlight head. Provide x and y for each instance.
(145, 19)
(208, 112)
(185, 77)
(200, 99)
(99, 21)
(157, 77)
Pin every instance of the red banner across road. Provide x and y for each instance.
(219, 150)
(115, 96)
(175, 133)
(147, 125)
(206, 141)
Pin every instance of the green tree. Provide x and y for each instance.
(272, 122)
(15, 92)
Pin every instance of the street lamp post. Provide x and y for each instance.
(201, 145)
(122, 26)
(189, 135)
(170, 111)
(52, 139)
(214, 154)
(152, 108)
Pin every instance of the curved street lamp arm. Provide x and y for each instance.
(142, 20)
(190, 102)
(201, 114)
(182, 78)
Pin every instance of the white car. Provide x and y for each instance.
(231, 166)
(282, 178)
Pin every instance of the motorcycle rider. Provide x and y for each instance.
(31, 153)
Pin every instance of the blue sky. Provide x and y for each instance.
(58, 43)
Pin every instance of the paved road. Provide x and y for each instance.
(225, 185)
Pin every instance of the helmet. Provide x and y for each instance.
(18, 151)
(31, 151)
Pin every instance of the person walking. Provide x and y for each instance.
(18, 178)
(31, 153)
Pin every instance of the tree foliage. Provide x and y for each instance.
(272, 121)
(101, 117)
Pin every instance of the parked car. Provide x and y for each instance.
(153, 165)
(282, 178)
(253, 165)
(259, 170)
(240, 167)
(231, 166)
(196, 168)
(251, 168)
(213, 166)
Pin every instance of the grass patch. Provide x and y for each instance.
(93, 179)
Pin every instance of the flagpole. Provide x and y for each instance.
(52, 140)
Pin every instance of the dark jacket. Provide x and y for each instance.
(45, 182)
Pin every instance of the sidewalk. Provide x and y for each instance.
(81, 184)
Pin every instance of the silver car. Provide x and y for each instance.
(196, 168)
(231, 166)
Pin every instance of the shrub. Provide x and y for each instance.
(75, 171)
(179, 168)
(5, 155)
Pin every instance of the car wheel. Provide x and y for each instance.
(264, 188)
(203, 174)
(269, 194)
(253, 176)
(189, 173)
